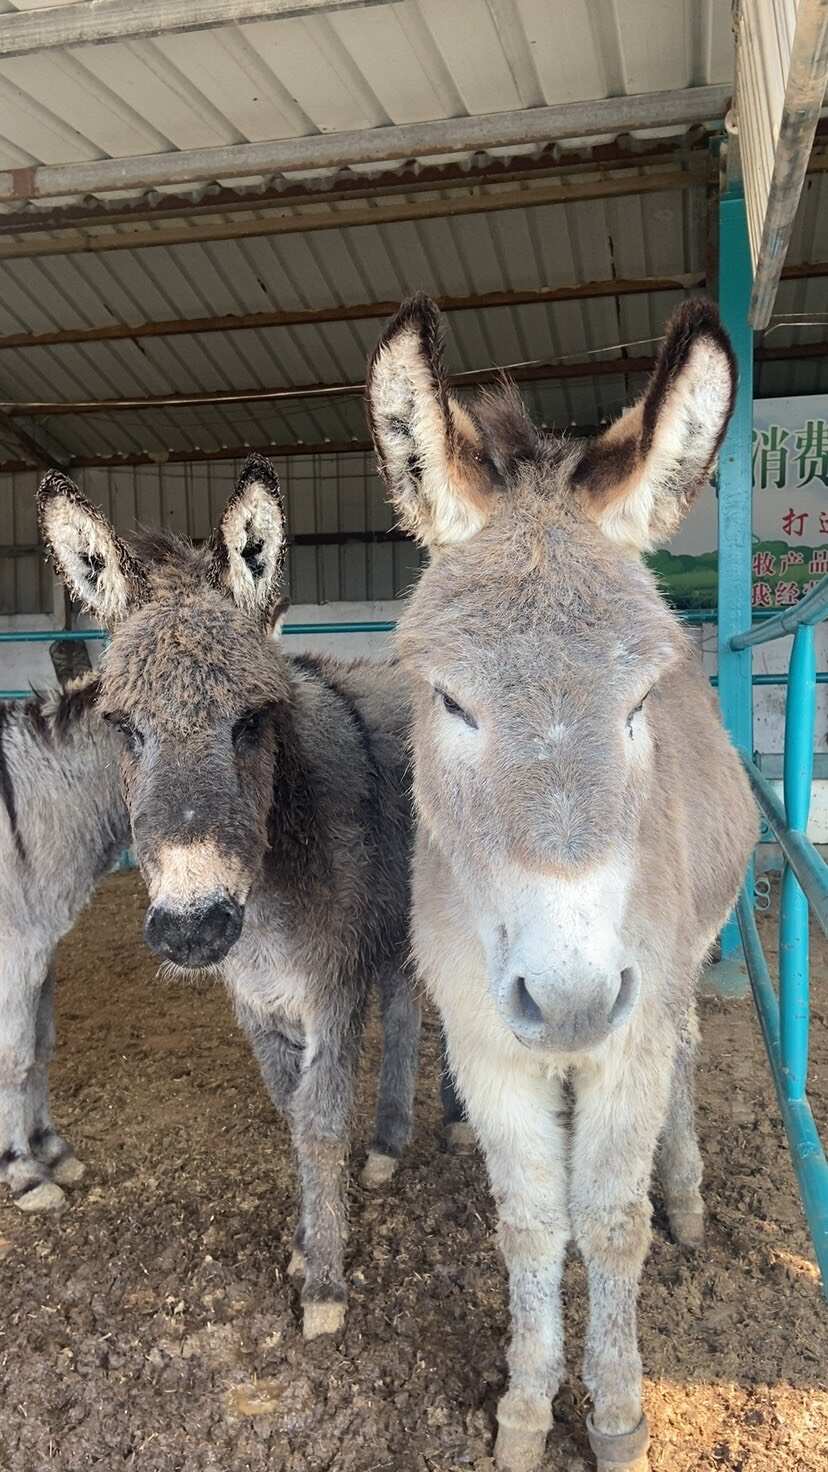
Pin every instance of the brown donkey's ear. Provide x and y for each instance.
(95, 564)
(248, 546)
(639, 478)
(427, 445)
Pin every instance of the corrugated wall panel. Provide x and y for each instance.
(323, 494)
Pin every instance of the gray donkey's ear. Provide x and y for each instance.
(428, 446)
(249, 544)
(96, 565)
(639, 478)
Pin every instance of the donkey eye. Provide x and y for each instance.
(248, 728)
(121, 723)
(454, 709)
(636, 708)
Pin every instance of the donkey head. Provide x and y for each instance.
(193, 683)
(538, 648)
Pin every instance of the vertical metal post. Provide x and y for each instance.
(736, 500)
(800, 708)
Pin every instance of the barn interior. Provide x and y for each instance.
(207, 213)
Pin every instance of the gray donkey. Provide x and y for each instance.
(584, 827)
(271, 817)
(62, 824)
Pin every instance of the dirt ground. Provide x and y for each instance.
(151, 1324)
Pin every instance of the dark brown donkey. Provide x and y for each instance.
(270, 810)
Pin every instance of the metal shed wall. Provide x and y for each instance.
(324, 494)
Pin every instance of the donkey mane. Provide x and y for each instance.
(162, 548)
(52, 712)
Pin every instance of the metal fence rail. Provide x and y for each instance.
(785, 1018)
(785, 1022)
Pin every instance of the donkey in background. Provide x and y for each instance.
(271, 817)
(62, 824)
(584, 827)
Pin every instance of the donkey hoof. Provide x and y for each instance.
(378, 1169)
(625, 1452)
(519, 1448)
(522, 1424)
(68, 1170)
(460, 1137)
(322, 1318)
(687, 1227)
(45, 1196)
(296, 1266)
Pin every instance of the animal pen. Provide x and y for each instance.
(205, 224)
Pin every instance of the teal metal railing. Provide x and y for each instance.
(50, 636)
(784, 1015)
(785, 1018)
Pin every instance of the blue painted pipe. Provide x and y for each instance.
(800, 714)
(806, 1150)
(810, 610)
(810, 868)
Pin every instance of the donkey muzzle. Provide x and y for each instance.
(545, 1011)
(196, 936)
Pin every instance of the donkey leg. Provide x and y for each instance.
(619, 1113)
(45, 1142)
(518, 1120)
(400, 1012)
(28, 1178)
(280, 1060)
(679, 1158)
(459, 1134)
(320, 1113)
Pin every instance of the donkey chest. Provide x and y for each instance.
(266, 974)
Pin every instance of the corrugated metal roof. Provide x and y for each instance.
(663, 234)
(396, 63)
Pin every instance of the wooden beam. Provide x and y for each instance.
(464, 135)
(520, 373)
(100, 22)
(353, 312)
(531, 373)
(475, 202)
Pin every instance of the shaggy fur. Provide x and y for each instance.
(584, 826)
(62, 824)
(270, 809)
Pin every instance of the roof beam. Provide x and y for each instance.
(35, 445)
(353, 312)
(617, 286)
(407, 177)
(97, 22)
(473, 201)
(521, 373)
(534, 125)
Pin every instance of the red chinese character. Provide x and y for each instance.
(809, 586)
(823, 521)
(790, 559)
(793, 522)
(786, 593)
(761, 595)
(819, 561)
(764, 565)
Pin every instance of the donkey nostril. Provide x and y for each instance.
(626, 998)
(525, 1005)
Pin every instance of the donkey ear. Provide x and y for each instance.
(639, 479)
(428, 447)
(93, 561)
(248, 546)
(277, 617)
